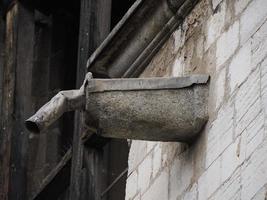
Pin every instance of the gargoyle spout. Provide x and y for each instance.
(64, 101)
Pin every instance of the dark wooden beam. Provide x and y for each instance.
(16, 101)
(57, 181)
(2, 58)
(8, 100)
(94, 27)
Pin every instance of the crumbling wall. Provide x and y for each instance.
(228, 40)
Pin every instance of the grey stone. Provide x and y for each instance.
(157, 109)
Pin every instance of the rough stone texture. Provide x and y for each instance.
(173, 109)
(226, 39)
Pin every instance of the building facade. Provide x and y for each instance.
(226, 39)
(44, 48)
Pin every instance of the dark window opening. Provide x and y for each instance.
(119, 8)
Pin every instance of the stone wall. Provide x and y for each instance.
(228, 40)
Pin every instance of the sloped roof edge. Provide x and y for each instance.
(137, 37)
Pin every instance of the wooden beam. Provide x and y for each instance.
(2, 58)
(94, 27)
(57, 181)
(8, 100)
(16, 101)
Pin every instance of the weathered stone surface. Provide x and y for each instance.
(227, 44)
(132, 183)
(240, 67)
(163, 109)
(144, 173)
(159, 189)
(209, 181)
(252, 18)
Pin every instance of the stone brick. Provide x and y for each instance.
(247, 102)
(240, 5)
(159, 189)
(221, 134)
(178, 67)
(150, 145)
(240, 67)
(227, 44)
(254, 172)
(252, 18)
(157, 160)
(181, 173)
(131, 186)
(229, 190)
(232, 163)
(137, 197)
(261, 194)
(179, 38)
(252, 137)
(259, 45)
(230, 160)
(250, 115)
(191, 194)
(144, 173)
(215, 3)
(215, 25)
(209, 181)
(136, 153)
(263, 68)
(220, 88)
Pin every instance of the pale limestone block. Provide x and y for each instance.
(247, 102)
(252, 18)
(137, 152)
(259, 45)
(263, 68)
(229, 190)
(131, 186)
(240, 5)
(150, 145)
(215, 3)
(261, 194)
(240, 67)
(144, 173)
(249, 116)
(215, 25)
(220, 88)
(179, 39)
(252, 137)
(254, 172)
(230, 160)
(191, 194)
(227, 44)
(209, 181)
(157, 160)
(178, 67)
(159, 189)
(181, 173)
(220, 134)
(175, 173)
(247, 94)
(137, 197)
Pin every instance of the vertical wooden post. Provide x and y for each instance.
(94, 27)
(16, 101)
(2, 58)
